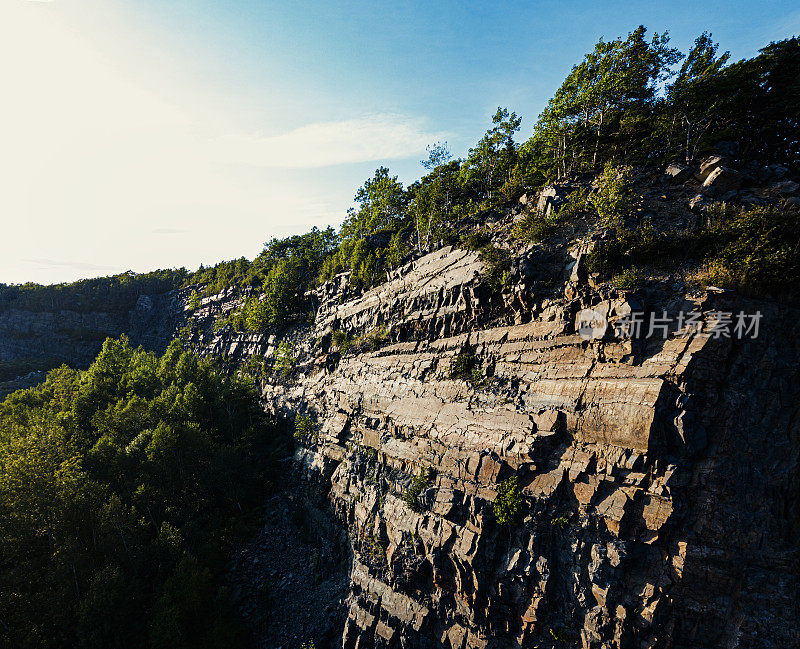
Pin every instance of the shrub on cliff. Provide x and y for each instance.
(285, 361)
(507, 505)
(614, 199)
(305, 430)
(753, 251)
(497, 263)
(419, 483)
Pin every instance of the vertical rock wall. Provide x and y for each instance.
(659, 476)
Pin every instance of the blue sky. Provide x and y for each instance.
(161, 133)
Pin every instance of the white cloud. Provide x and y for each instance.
(368, 138)
(96, 169)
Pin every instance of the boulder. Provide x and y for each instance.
(787, 187)
(708, 165)
(678, 173)
(721, 181)
(550, 197)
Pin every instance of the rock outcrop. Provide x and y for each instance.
(658, 475)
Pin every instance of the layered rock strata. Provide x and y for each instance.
(657, 475)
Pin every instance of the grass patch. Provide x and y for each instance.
(629, 279)
(754, 251)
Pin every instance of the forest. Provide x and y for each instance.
(122, 488)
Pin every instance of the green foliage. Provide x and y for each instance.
(631, 246)
(535, 227)
(279, 304)
(372, 236)
(380, 201)
(397, 249)
(369, 341)
(431, 198)
(372, 340)
(285, 361)
(343, 340)
(614, 199)
(609, 107)
(118, 488)
(694, 95)
(629, 279)
(497, 263)
(597, 107)
(115, 294)
(467, 368)
(462, 365)
(194, 300)
(418, 484)
(476, 376)
(283, 272)
(507, 505)
(475, 240)
(754, 251)
(305, 430)
(491, 161)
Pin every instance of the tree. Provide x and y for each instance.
(603, 98)
(694, 95)
(495, 153)
(380, 201)
(432, 198)
(100, 503)
(282, 292)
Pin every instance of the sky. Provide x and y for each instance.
(156, 134)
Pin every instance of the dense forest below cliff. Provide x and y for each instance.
(124, 485)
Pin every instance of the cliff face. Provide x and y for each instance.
(658, 476)
(37, 338)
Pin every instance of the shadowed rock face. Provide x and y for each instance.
(48, 338)
(659, 477)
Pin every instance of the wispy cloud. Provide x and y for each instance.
(72, 265)
(96, 166)
(365, 139)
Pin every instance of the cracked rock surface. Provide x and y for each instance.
(658, 476)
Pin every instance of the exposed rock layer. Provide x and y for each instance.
(658, 475)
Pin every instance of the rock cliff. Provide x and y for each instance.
(33, 341)
(658, 474)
